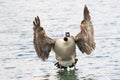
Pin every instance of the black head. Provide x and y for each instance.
(67, 34)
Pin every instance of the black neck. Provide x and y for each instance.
(65, 39)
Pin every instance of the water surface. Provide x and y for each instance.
(18, 60)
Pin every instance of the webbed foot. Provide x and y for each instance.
(60, 66)
(73, 65)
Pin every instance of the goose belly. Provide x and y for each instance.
(66, 63)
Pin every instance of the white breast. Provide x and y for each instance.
(65, 51)
(64, 46)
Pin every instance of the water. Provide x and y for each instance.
(18, 60)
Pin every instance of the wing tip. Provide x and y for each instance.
(36, 22)
(86, 13)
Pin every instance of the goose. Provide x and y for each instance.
(65, 48)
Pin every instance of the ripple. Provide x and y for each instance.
(10, 67)
(18, 58)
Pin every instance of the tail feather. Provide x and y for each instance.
(86, 13)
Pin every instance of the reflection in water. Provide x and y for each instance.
(67, 75)
(73, 75)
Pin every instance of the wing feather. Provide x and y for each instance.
(42, 43)
(85, 38)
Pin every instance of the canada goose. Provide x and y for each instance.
(65, 48)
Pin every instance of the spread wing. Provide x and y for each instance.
(42, 43)
(85, 38)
